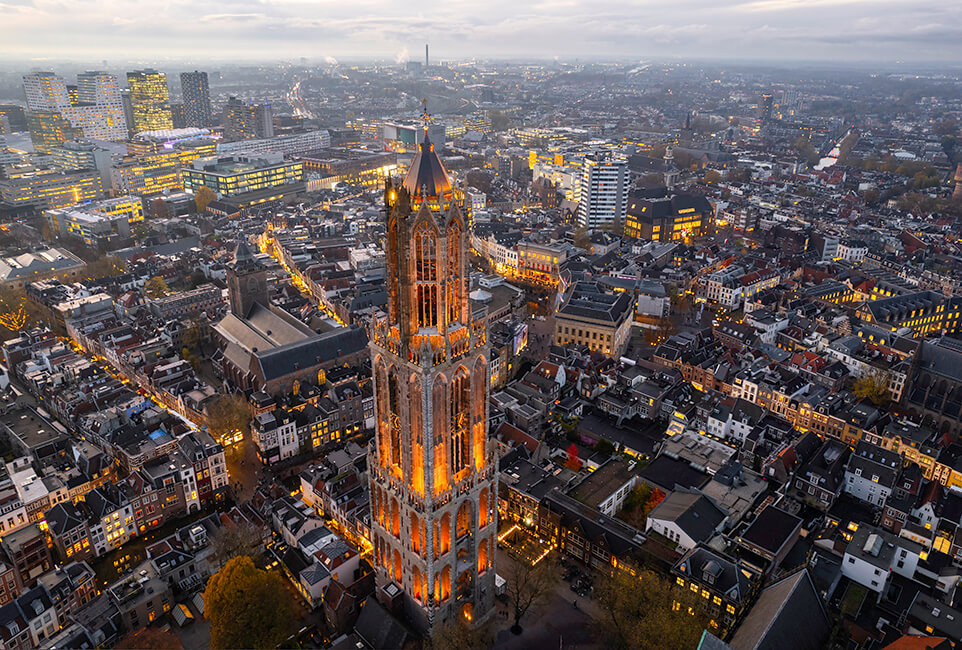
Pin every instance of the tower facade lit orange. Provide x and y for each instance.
(433, 473)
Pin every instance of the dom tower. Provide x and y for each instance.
(433, 479)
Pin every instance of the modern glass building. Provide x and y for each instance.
(150, 100)
(241, 174)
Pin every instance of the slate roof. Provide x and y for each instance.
(780, 609)
(693, 512)
(287, 359)
(427, 172)
(378, 628)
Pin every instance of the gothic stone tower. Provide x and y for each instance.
(433, 474)
(246, 281)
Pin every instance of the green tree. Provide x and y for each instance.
(873, 386)
(528, 586)
(156, 287)
(203, 196)
(247, 607)
(228, 413)
(712, 177)
(644, 612)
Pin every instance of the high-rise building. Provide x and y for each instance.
(92, 107)
(196, 92)
(50, 129)
(45, 91)
(150, 100)
(95, 87)
(243, 120)
(603, 192)
(433, 475)
(765, 106)
(12, 118)
(177, 115)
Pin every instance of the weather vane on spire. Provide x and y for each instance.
(425, 116)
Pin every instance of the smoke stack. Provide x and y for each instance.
(426, 60)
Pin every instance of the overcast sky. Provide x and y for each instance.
(766, 30)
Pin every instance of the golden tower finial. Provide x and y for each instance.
(425, 116)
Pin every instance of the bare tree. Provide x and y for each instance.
(236, 540)
(528, 586)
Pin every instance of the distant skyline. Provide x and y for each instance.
(835, 31)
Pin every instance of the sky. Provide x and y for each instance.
(762, 30)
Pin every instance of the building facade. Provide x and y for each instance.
(150, 100)
(196, 92)
(604, 191)
(433, 475)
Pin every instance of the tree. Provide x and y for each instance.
(247, 607)
(236, 540)
(228, 413)
(202, 197)
(581, 238)
(453, 633)
(712, 177)
(17, 312)
(528, 586)
(159, 208)
(573, 463)
(644, 613)
(873, 386)
(156, 287)
(150, 638)
(105, 266)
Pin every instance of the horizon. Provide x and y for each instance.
(786, 32)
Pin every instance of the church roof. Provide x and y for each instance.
(427, 173)
(322, 348)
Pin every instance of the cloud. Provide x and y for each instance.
(837, 30)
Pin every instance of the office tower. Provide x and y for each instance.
(72, 94)
(150, 100)
(128, 105)
(433, 475)
(14, 116)
(49, 129)
(45, 91)
(604, 189)
(99, 88)
(196, 92)
(765, 106)
(177, 115)
(426, 60)
(243, 121)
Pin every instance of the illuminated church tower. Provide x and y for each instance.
(433, 474)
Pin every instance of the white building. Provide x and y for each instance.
(603, 191)
(874, 554)
(871, 473)
(852, 250)
(686, 518)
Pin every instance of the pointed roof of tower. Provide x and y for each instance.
(427, 173)
(242, 253)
